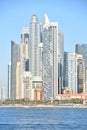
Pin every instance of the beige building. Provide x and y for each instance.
(67, 90)
(37, 89)
(24, 48)
(27, 80)
(24, 58)
(80, 74)
(38, 93)
(18, 86)
(85, 86)
(71, 96)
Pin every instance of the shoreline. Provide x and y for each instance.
(46, 106)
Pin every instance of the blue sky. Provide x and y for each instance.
(14, 14)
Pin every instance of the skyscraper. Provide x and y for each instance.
(60, 60)
(27, 82)
(39, 55)
(9, 81)
(34, 45)
(81, 49)
(18, 82)
(40, 58)
(50, 56)
(25, 49)
(24, 59)
(15, 57)
(65, 70)
(1, 93)
(80, 74)
(72, 72)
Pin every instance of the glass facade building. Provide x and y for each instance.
(50, 59)
(65, 70)
(80, 74)
(9, 81)
(72, 72)
(60, 60)
(15, 57)
(24, 57)
(34, 45)
(82, 49)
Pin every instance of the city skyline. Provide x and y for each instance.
(73, 32)
(36, 68)
(26, 79)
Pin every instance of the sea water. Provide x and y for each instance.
(33, 118)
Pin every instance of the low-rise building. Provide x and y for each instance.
(37, 84)
(71, 96)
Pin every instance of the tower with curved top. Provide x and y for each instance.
(34, 45)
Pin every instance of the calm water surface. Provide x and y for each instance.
(43, 118)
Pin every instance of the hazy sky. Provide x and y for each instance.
(14, 14)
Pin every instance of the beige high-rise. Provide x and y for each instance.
(24, 67)
(18, 86)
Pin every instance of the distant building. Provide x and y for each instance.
(40, 55)
(80, 74)
(9, 81)
(85, 81)
(1, 93)
(15, 57)
(24, 50)
(72, 72)
(34, 45)
(27, 80)
(50, 58)
(38, 93)
(24, 57)
(18, 84)
(81, 48)
(40, 59)
(67, 90)
(81, 96)
(60, 60)
(37, 88)
(65, 70)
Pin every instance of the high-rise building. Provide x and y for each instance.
(24, 52)
(85, 90)
(27, 80)
(80, 74)
(81, 48)
(24, 59)
(15, 57)
(60, 43)
(72, 72)
(60, 60)
(50, 59)
(1, 93)
(34, 45)
(18, 83)
(9, 81)
(41, 54)
(40, 59)
(37, 85)
(65, 70)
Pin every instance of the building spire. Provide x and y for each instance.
(25, 30)
(45, 19)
